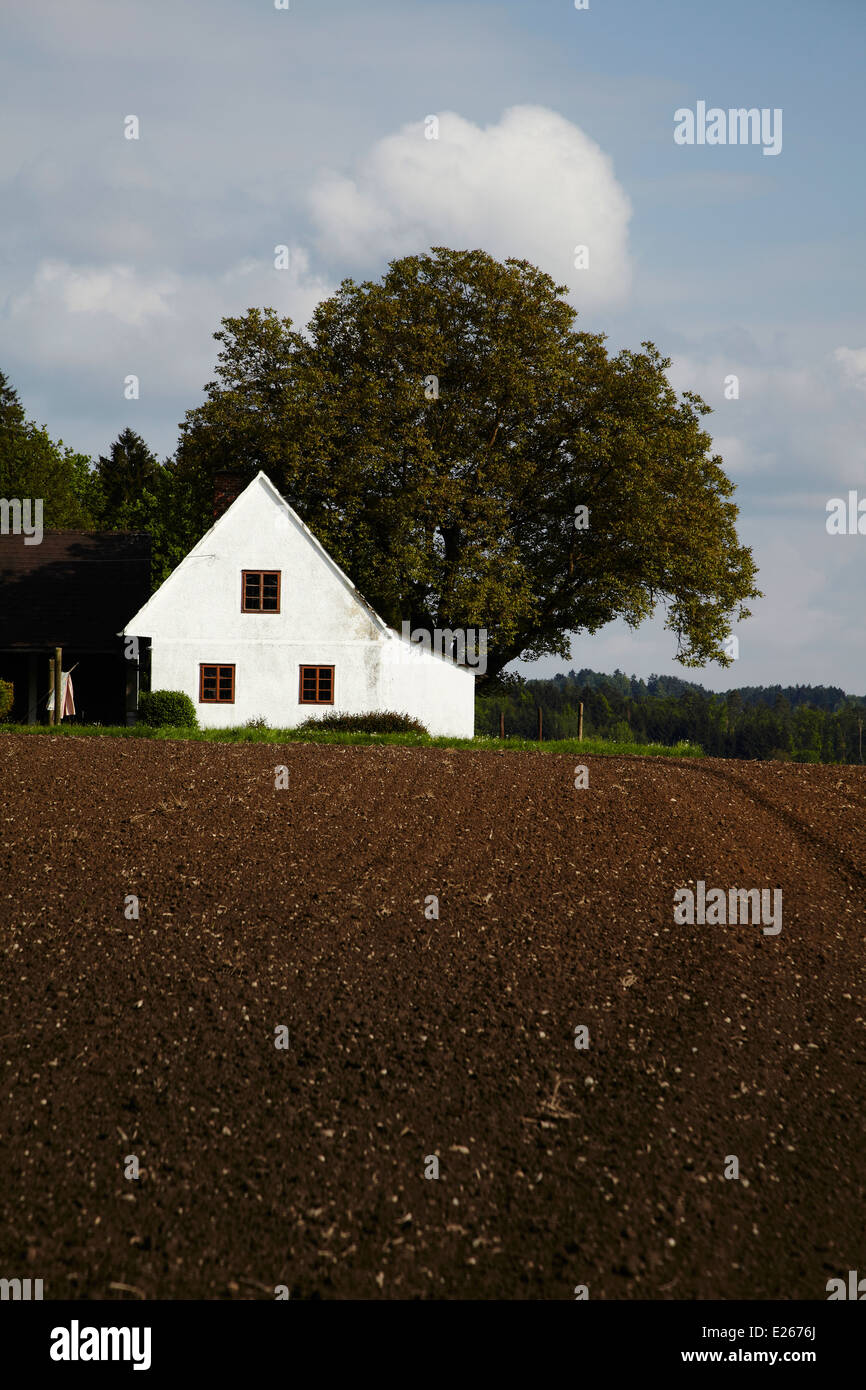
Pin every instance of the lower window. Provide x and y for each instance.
(216, 685)
(317, 685)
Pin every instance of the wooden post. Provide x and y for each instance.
(580, 724)
(539, 724)
(502, 724)
(132, 678)
(58, 683)
(32, 695)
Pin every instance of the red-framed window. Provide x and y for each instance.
(216, 685)
(317, 685)
(260, 591)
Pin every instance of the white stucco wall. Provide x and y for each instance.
(434, 690)
(195, 617)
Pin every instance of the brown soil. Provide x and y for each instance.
(412, 1037)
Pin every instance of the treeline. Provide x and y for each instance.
(125, 489)
(802, 723)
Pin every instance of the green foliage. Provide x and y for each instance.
(7, 695)
(756, 722)
(12, 415)
(167, 709)
(123, 477)
(621, 732)
(33, 465)
(133, 492)
(457, 509)
(128, 490)
(383, 722)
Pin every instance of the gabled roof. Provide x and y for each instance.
(317, 545)
(207, 542)
(75, 589)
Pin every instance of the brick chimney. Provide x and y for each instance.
(226, 488)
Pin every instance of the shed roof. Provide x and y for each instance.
(75, 589)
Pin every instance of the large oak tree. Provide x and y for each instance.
(438, 432)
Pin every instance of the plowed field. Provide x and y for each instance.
(310, 907)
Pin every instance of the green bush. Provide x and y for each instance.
(167, 709)
(386, 722)
(7, 694)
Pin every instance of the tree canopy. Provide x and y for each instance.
(133, 491)
(800, 723)
(124, 477)
(127, 490)
(439, 431)
(33, 465)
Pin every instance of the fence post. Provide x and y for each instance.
(580, 724)
(502, 724)
(539, 724)
(58, 683)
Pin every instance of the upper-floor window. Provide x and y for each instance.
(260, 591)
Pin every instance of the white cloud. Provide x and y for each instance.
(115, 290)
(533, 186)
(791, 434)
(96, 325)
(853, 362)
(758, 385)
(741, 459)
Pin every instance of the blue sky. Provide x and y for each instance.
(305, 127)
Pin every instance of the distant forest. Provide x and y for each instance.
(799, 723)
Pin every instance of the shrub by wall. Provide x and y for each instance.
(383, 722)
(167, 709)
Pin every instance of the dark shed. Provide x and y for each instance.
(75, 590)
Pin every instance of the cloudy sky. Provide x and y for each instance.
(305, 126)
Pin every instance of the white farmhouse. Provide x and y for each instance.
(259, 622)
